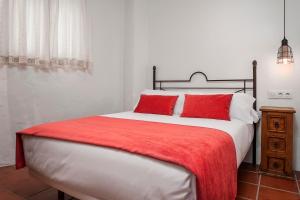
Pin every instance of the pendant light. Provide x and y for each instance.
(285, 53)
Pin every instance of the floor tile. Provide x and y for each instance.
(271, 194)
(241, 198)
(247, 190)
(248, 176)
(297, 175)
(6, 170)
(20, 182)
(279, 183)
(11, 176)
(50, 194)
(7, 195)
(28, 187)
(248, 167)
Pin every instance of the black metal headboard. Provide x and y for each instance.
(160, 85)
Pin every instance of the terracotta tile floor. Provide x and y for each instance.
(252, 185)
(18, 185)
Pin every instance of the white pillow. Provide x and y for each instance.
(179, 103)
(242, 108)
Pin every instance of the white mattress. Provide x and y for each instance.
(92, 172)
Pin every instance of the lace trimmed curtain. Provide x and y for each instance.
(44, 33)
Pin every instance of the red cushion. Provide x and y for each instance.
(207, 106)
(156, 104)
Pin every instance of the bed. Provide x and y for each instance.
(91, 172)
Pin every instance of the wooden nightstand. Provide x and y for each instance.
(277, 140)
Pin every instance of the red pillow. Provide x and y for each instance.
(156, 104)
(207, 106)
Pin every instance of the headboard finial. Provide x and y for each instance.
(154, 77)
(254, 63)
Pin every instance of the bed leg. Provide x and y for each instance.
(60, 195)
(254, 147)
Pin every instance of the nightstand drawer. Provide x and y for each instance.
(276, 144)
(276, 122)
(276, 164)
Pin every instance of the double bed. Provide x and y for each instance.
(90, 172)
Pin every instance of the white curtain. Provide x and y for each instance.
(44, 33)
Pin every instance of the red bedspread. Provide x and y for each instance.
(208, 153)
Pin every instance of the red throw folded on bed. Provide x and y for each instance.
(207, 153)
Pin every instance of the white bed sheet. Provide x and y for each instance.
(90, 172)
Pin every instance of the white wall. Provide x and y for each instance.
(221, 38)
(135, 50)
(6, 142)
(40, 96)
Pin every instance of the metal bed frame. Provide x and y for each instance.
(159, 85)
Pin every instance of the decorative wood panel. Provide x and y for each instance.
(276, 144)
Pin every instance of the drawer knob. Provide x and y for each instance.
(275, 165)
(275, 145)
(276, 124)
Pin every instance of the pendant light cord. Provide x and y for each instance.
(284, 18)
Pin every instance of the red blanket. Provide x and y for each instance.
(208, 153)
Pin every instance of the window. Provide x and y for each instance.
(44, 33)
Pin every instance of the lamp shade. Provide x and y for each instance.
(285, 53)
